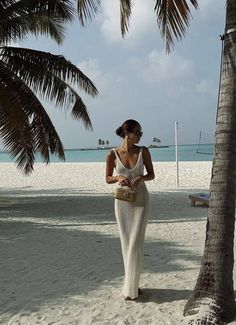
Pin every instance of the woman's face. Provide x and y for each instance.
(136, 134)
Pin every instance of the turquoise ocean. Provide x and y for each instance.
(186, 153)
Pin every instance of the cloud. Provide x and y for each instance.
(110, 25)
(143, 19)
(211, 9)
(157, 66)
(91, 68)
(107, 82)
(141, 23)
(210, 5)
(206, 87)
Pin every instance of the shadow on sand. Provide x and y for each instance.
(160, 296)
(45, 254)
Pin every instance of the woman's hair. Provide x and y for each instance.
(127, 126)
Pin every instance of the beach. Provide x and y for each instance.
(61, 259)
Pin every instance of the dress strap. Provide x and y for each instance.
(141, 153)
(113, 149)
(116, 154)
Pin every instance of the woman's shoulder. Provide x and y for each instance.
(145, 152)
(111, 153)
(143, 148)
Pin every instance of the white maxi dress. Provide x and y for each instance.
(132, 220)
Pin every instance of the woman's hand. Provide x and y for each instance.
(134, 183)
(123, 181)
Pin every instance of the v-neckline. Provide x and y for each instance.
(117, 154)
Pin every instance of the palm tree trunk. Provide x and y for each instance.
(214, 292)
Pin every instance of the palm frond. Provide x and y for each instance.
(63, 9)
(51, 81)
(173, 18)
(65, 96)
(15, 131)
(79, 109)
(24, 124)
(29, 63)
(125, 13)
(37, 17)
(18, 28)
(87, 9)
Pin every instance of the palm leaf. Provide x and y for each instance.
(18, 59)
(63, 9)
(125, 13)
(87, 9)
(24, 124)
(20, 18)
(51, 82)
(173, 18)
(18, 28)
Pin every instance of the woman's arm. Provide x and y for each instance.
(110, 165)
(147, 160)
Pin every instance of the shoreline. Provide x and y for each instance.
(162, 153)
(150, 146)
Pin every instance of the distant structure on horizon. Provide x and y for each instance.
(205, 143)
(103, 144)
(154, 145)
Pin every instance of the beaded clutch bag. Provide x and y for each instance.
(125, 194)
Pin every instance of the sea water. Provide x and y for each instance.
(185, 153)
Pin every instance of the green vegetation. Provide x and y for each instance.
(25, 74)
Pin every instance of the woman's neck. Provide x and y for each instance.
(127, 145)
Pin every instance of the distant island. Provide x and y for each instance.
(104, 145)
(98, 148)
(155, 146)
(109, 148)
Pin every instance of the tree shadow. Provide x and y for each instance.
(160, 296)
(47, 255)
(61, 203)
(162, 207)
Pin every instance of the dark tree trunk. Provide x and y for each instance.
(213, 300)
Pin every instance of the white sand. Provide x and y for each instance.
(60, 257)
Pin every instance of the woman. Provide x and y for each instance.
(129, 161)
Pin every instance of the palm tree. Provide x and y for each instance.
(25, 126)
(213, 300)
(215, 279)
(99, 142)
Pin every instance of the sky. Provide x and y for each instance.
(137, 79)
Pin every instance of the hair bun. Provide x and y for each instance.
(120, 132)
(127, 126)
